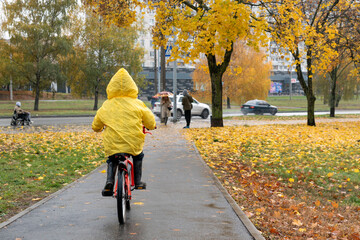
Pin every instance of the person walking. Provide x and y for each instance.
(166, 108)
(187, 105)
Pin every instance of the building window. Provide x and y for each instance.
(151, 53)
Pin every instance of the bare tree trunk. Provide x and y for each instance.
(37, 92)
(333, 74)
(216, 99)
(96, 99)
(228, 103)
(311, 110)
(216, 74)
(307, 87)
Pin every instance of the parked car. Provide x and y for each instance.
(258, 107)
(199, 109)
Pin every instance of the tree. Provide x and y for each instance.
(4, 62)
(35, 30)
(306, 28)
(247, 77)
(208, 27)
(104, 49)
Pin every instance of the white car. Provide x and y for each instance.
(199, 109)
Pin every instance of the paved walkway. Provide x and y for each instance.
(182, 202)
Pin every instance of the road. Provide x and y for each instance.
(53, 121)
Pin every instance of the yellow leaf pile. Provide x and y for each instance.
(301, 177)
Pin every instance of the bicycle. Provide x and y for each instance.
(124, 184)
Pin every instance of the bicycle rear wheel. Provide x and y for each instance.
(121, 197)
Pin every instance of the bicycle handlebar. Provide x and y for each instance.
(145, 132)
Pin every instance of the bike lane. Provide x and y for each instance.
(182, 201)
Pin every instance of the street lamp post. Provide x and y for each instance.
(175, 91)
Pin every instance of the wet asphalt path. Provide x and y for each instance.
(181, 202)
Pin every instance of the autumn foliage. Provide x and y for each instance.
(247, 77)
(293, 182)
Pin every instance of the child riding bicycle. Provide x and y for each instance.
(122, 116)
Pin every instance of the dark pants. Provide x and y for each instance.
(137, 161)
(188, 117)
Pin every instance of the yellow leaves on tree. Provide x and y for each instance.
(121, 13)
(209, 28)
(307, 29)
(247, 77)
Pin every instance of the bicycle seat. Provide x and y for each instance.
(120, 156)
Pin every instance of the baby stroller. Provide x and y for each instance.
(20, 119)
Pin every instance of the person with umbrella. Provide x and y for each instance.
(166, 108)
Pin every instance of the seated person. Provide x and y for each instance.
(21, 113)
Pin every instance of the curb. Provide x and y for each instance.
(241, 215)
(43, 201)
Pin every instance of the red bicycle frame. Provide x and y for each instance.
(123, 165)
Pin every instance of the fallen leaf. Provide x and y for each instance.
(297, 222)
(277, 214)
(274, 231)
(330, 174)
(335, 204)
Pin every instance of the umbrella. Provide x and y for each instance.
(164, 93)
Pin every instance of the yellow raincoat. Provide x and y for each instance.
(123, 116)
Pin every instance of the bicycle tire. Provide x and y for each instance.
(120, 198)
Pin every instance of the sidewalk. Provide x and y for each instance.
(182, 201)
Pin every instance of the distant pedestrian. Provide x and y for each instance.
(21, 113)
(187, 105)
(166, 108)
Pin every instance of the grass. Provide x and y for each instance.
(282, 118)
(299, 103)
(34, 165)
(50, 107)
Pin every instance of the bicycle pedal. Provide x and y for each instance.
(106, 193)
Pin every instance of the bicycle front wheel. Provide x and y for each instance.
(121, 197)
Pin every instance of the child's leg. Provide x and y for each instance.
(138, 171)
(110, 179)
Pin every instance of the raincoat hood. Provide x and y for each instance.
(122, 85)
